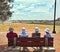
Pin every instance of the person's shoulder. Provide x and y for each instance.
(33, 33)
(14, 32)
(39, 33)
(49, 34)
(8, 33)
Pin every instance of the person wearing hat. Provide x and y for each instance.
(23, 33)
(47, 35)
(36, 34)
(11, 34)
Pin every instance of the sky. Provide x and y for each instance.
(34, 10)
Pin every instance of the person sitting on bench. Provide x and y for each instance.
(36, 34)
(47, 35)
(24, 33)
(11, 34)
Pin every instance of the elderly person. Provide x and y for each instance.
(24, 33)
(36, 33)
(11, 34)
(47, 35)
(11, 37)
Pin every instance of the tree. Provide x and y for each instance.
(5, 12)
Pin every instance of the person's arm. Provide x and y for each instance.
(15, 37)
(14, 42)
(33, 34)
(27, 34)
(50, 35)
(7, 35)
(46, 40)
(19, 36)
(44, 36)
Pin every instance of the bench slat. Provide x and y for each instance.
(30, 42)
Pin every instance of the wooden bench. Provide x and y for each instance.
(30, 42)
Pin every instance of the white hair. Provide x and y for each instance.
(23, 27)
(36, 29)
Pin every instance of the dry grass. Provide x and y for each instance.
(29, 28)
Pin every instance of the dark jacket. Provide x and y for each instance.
(36, 35)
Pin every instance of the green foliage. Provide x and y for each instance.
(10, 0)
(5, 12)
(2, 0)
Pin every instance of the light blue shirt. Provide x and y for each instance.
(48, 35)
(23, 34)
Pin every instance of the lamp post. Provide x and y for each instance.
(54, 17)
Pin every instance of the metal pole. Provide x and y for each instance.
(54, 17)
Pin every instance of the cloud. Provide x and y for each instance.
(26, 9)
(58, 9)
(28, 1)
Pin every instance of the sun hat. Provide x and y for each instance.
(47, 30)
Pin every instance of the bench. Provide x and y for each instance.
(30, 42)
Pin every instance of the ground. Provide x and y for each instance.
(29, 28)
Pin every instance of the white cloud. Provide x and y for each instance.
(32, 6)
(39, 10)
(26, 9)
(21, 6)
(28, 0)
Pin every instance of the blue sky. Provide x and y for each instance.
(34, 9)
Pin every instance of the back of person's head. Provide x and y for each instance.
(11, 29)
(23, 29)
(47, 30)
(36, 29)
